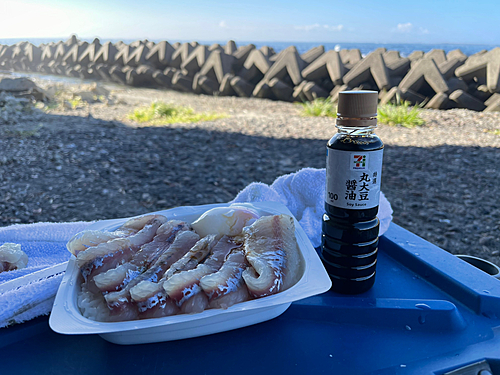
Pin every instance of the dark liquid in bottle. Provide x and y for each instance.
(350, 237)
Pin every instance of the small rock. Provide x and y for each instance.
(485, 240)
(16, 84)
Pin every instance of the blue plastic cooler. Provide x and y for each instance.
(428, 313)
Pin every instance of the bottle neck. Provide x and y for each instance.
(356, 130)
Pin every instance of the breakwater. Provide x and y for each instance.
(434, 79)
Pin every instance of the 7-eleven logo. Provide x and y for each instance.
(359, 162)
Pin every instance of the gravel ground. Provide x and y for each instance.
(442, 179)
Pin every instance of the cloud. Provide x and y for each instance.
(223, 25)
(317, 26)
(423, 31)
(404, 27)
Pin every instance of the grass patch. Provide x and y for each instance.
(159, 113)
(495, 132)
(319, 107)
(76, 102)
(400, 114)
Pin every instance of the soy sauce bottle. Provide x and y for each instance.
(353, 171)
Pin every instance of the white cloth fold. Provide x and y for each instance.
(302, 192)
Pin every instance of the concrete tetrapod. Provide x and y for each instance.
(181, 54)
(47, 53)
(372, 66)
(160, 56)
(281, 90)
(312, 54)
(106, 54)
(448, 67)
(255, 67)
(456, 54)
(137, 56)
(437, 55)
(241, 87)
(88, 55)
(241, 54)
(350, 57)
(289, 64)
(465, 100)
(195, 60)
(164, 79)
(230, 47)
(217, 66)
(225, 88)
(327, 65)
(425, 70)
(141, 76)
(416, 55)
(121, 56)
(73, 54)
(32, 54)
(488, 63)
(438, 101)
(493, 103)
(182, 82)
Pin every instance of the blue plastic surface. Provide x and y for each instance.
(428, 313)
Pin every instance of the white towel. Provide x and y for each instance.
(45, 245)
(302, 192)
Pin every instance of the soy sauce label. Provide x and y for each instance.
(353, 178)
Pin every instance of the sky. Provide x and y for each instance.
(326, 21)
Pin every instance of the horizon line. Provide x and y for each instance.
(243, 40)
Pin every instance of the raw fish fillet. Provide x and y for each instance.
(197, 303)
(272, 251)
(184, 286)
(225, 220)
(181, 245)
(110, 254)
(226, 287)
(148, 295)
(90, 238)
(12, 257)
(116, 278)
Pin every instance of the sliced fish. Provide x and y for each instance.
(110, 254)
(90, 238)
(226, 287)
(272, 251)
(116, 278)
(181, 245)
(184, 286)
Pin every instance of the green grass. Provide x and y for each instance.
(76, 102)
(159, 113)
(400, 114)
(496, 131)
(319, 107)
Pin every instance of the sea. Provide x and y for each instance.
(404, 48)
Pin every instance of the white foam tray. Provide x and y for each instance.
(67, 319)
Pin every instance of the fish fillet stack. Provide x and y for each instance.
(153, 267)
